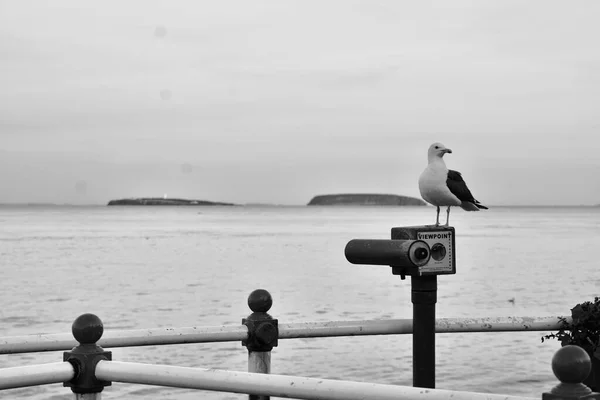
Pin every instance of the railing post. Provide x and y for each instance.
(87, 330)
(571, 365)
(263, 333)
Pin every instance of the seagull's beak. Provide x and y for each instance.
(447, 151)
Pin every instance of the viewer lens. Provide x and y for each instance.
(438, 251)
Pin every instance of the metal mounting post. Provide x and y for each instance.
(424, 297)
(423, 252)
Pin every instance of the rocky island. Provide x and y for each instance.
(366, 199)
(159, 201)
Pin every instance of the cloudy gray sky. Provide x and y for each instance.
(276, 101)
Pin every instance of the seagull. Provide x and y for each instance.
(442, 187)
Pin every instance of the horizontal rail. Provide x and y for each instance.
(125, 338)
(34, 375)
(232, 333)
(272, 385)
(404, 326)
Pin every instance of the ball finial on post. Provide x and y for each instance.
(260, 301)
(87, 329)
(263, 330)
(571, 365)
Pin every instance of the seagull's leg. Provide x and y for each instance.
(447, 215)
(437, 218)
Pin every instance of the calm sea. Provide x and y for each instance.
(144, 267)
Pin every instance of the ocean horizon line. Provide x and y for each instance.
(262, 204)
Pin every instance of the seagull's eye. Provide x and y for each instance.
(437, 147)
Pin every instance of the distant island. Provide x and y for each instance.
(356, 199)
(159, 201)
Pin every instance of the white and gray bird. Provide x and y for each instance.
(444, 187)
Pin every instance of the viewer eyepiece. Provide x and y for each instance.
(421, 254)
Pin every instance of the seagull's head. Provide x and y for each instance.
(437, 150)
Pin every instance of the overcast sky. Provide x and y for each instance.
(277, 101)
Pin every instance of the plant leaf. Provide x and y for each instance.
(576, 312)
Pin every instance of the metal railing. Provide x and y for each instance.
(236, 333)
(88, 367)
(228, 381)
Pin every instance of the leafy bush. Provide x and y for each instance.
(583, 330)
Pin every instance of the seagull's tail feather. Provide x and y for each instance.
(472, 206)
(479, 205)
(468, 206)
